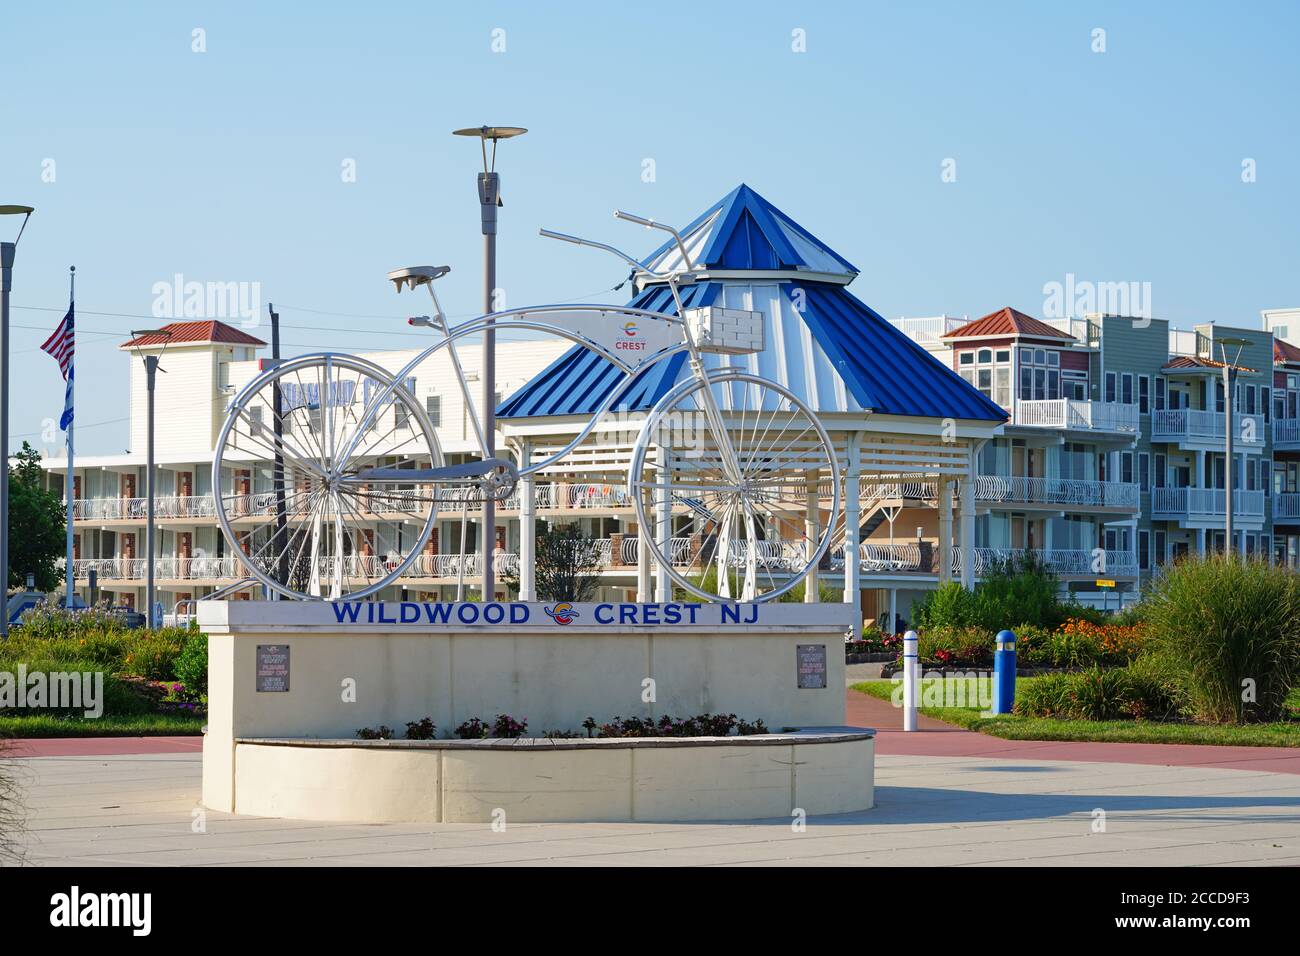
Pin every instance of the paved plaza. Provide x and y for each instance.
(141, 810)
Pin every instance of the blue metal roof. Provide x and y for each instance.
(742, 230)
(842, 357)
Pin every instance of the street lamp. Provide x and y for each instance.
(489, 198)
(7, 251)
(141, 338)
(1230, 370)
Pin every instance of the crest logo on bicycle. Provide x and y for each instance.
(562, 613)
(629, 328)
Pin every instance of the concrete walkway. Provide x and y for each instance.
(142, 809)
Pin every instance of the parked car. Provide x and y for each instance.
(130, 616)
(21, 603)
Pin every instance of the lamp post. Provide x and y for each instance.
(489, 198)
(151, 377)
(7, 251)
(1230, 370)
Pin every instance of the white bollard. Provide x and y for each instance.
(911, 673)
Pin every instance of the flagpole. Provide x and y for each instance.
(72, 305)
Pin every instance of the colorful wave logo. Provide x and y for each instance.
(629, 328)
(562, 613)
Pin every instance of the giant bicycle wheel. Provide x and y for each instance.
(294, 478)
(742, 519)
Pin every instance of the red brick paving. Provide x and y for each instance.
(100, 746)
(937, 739)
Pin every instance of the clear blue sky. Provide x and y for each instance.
(225, 165)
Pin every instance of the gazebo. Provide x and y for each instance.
(895, 413)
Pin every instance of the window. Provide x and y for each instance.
(1218, 396)
(401, 419)
(1144, 471)
(1160, 393)
(1126, 466)
(991, 374)
(433, 405)
(1160, 471)
(1264, 402)
(1250, 399)
(1074, 385)
(255, 421)
(1040, 374)
(1144, 550)
(1160, 538)
(965, 358)
(1110, 387)
(1127, 382)
(1144, 394)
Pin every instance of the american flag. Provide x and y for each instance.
(61, 345)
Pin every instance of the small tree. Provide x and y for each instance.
(36, 524)
(565, 565)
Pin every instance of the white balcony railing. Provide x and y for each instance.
(1286, 431)
(1063, 561)
(1206, 503)
(1183, 424)
(1286, 506)
(1080, 492)
(1078, 414)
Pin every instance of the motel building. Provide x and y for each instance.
(1084, 441)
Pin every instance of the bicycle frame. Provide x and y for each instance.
(519, 319)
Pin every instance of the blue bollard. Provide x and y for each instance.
(1004, 673)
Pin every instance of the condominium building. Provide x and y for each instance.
(1113, 458)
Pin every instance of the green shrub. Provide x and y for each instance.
(192, 665)
(121, 697)
(1020, 590)
(46, 620)
(948, 605)
(955, 647)
(1046, 696)
(1232, 627)
(153, 654)
(1146, 691)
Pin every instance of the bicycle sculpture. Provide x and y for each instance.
(325, 444)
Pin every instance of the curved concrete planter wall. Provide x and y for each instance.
(534, 780)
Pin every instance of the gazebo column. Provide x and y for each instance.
(945, 529)
(811, 533)
(527, 529)
(852, 523)
(966, 530)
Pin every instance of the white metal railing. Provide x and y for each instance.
(890, 557)
(1066, 561)
(1057, 491)
(1286, 505)
(1286, 431)
(1188, 423)
(928, 330)
(1077, 414)
(596, 496)
(1206, 502)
